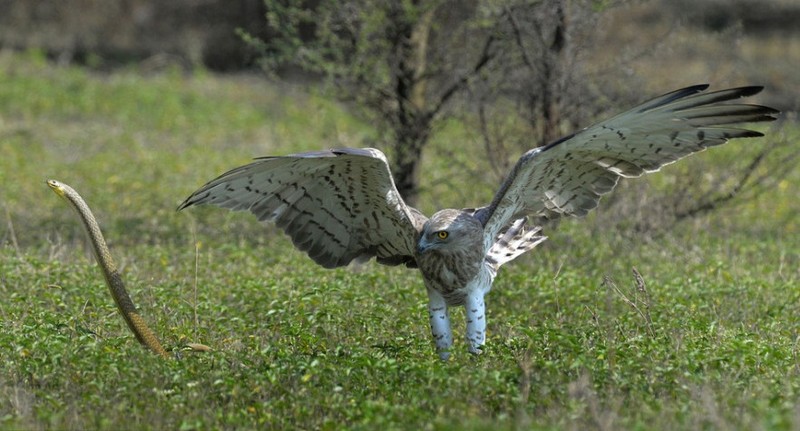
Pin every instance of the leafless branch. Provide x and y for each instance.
(743, 183)
(518, 38)
(483, 60)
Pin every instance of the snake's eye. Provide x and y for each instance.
(442, 234)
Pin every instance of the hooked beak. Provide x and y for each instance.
(422, 246)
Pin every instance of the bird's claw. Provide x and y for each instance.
(476, 350)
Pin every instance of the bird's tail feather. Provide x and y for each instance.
(512, 243)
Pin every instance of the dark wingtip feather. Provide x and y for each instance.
(672, 96)
(748, 134)
(767, 111)
(693, 89)
(764, 118)
(749, 90)
(186, 203)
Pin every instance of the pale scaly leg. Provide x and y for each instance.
(440, 324)
(476, 321)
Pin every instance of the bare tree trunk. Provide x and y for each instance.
(411, 125)
(413, 115)
(384, 56)
(552, 65)
(417, 107)
(541, 33)
(408, 156)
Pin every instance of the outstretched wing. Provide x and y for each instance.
(568, 176)
(336, 205)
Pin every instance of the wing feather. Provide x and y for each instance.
(336, 205)
(568, 176)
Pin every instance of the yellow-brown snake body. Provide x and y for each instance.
(126, 307)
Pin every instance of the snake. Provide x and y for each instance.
(113, 278)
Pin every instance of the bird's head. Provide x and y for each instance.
(450, 230)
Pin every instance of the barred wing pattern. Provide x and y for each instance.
(568, 176)
(342, 205)
(337, 206)
(513, 243)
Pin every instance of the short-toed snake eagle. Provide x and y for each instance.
(342, 205)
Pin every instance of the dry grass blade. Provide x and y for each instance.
(644, 309)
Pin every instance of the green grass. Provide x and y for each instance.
(298, 346)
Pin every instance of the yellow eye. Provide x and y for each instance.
(442, 234)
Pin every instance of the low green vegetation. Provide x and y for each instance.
(708, 342)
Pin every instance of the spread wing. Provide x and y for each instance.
(568, 176)
(336, 205)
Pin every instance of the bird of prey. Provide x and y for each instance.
(342, 205)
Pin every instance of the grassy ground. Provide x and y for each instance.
(711, 344)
